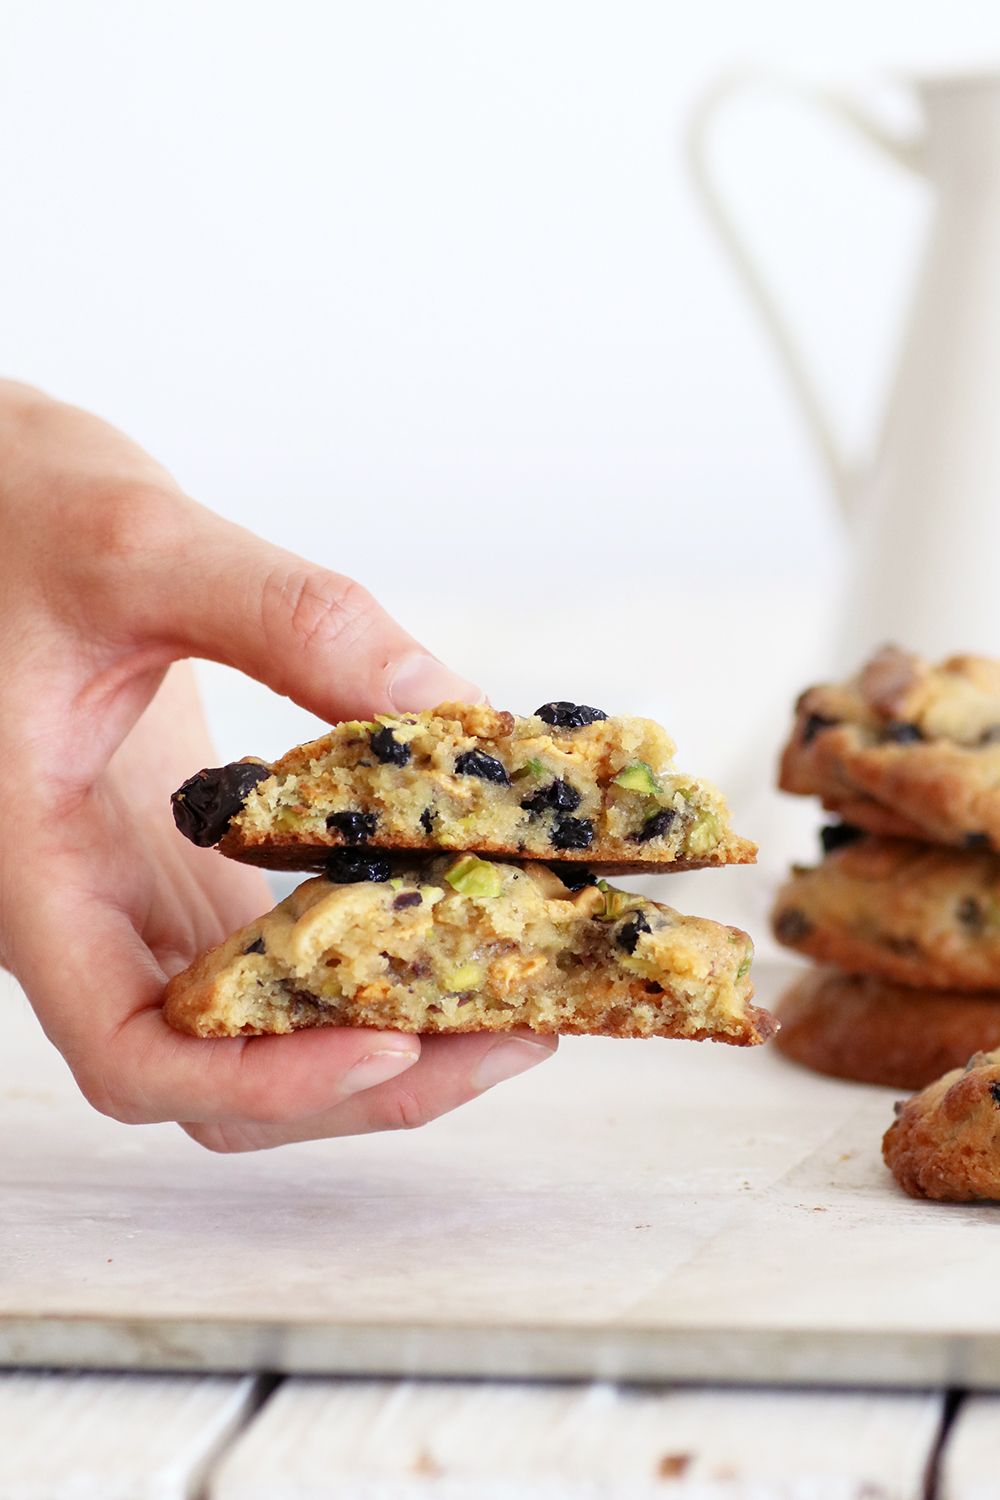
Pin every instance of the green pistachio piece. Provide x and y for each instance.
(463, 977)
(474, 877)
(744, 968)
(616, 902)
(531, 767)
(704, 834)
(638, 777)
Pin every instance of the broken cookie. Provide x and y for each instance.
(458, 943)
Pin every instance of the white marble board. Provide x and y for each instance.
(629, 1211)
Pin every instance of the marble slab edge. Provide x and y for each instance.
(739, 1356)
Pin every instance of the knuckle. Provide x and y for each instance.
(131, 522)
(319, 609)
(256, 1099)
(405, 1109)
(218, 1138)
(104, 1093)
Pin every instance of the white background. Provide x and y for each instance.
(422, 290)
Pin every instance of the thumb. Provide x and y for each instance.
(315, 636)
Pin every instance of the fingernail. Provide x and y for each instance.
(507, 1059)
(376, 1068)
(420, 681)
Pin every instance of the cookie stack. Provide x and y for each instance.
(464, 855)
(903, 912)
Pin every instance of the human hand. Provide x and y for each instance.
(110, 574)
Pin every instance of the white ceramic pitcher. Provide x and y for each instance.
(925, 513)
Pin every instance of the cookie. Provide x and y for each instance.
(915, 914)
(905, 748)
(860, 1028)
(459, 943)
(566, 783)
(945, 1142)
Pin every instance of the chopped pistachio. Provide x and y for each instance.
(704, 834)
(474, 877)
(531, 767)
(638, 777)
(466, 976)
(616, 902)
(744, 967)
(396, 885)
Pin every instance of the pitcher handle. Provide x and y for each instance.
(909, 153)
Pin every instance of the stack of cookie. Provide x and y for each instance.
(464, 855)
(903, 912)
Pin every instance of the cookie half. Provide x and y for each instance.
(566, 783)
(460, 943)
(868, 1031)
(912, 913)
(945, 1142)
(905, 748)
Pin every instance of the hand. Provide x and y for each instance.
(109, 574)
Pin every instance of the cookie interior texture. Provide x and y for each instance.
(555, 785)
(905, 748)
(867, 1030)
(911, 912)
(945, 1142)
(459, 943)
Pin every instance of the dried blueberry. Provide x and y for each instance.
(656, 826)
(427, 821)
(405, 899)
(628, 933)
(486, 767)
(355, 826)
(348, 866)
(792, 925)
(572, 833)
(836, 835)
(814, 724)
(902, 733)
(574, 877)
(255, 947)
(206, 804)
(970, 913)
(390, 751)
(976, 841)
(995, 1093)
(560, 795)
(565, 715)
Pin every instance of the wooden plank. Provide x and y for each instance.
(629, 1211)
(969, 1468)
(403, 1441)
(114, 1437)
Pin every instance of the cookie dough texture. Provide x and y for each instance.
(866, 1030)
(463, 944)
(911, 913)
(905, 748)
(945, 1142)
(470, 777)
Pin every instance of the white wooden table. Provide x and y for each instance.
(633, 1216)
